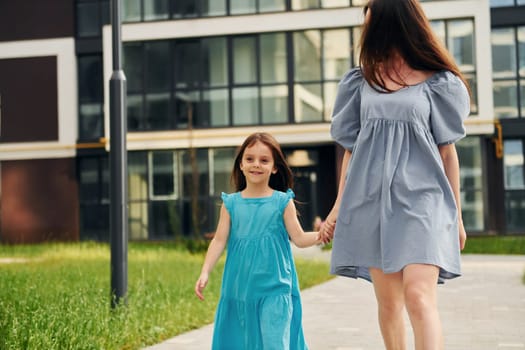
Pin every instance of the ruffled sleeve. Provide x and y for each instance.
(346, 114)
(285, 199)
(227, 200)
(449, 107)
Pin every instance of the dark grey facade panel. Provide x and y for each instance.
(36, 19)
(507, 16)
(28, 88)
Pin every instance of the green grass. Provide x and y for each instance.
(506, 245)
(57, 297)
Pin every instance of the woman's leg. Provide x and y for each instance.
(390, 301)
(420, 286)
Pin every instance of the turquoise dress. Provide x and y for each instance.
(260, 305)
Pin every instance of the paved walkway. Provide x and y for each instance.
(482, 310)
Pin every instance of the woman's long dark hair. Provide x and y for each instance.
(400, 27)
(281, 180)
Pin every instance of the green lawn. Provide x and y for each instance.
(56, 296)
(495, 245)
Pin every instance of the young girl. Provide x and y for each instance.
(398, 208)
(260, 306)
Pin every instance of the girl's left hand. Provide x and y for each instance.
(200, 285)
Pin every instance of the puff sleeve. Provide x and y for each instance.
(285, 199)
(227, 200)
(449, 107)
(346, 113)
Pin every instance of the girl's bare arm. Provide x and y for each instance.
(215, 249)
(300, 238)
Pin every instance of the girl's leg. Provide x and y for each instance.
(420, 286)
(390, 301)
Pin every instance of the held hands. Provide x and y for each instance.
(326, 232)
(328, 226)
(200, 285)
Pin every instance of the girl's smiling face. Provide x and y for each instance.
(257, 163)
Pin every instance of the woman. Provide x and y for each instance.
(398, 207)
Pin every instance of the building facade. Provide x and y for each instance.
(201, 76)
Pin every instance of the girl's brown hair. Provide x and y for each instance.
(281, 180)
(400, 27)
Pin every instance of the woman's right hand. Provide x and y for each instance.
(329, 223)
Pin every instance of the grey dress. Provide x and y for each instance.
(397, 207)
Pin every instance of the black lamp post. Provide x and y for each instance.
(118, 167)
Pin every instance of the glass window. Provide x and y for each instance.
(186, 106)
(521, 51)
(91, 121)
(163, 174)
(469, 152)
(515, 210)
(165, 220)
(505, 98)
(330, 92)
(137, 176)
(461, 43)
(503, 53)
(274, 104)
(104, 170)
(244, 60)
(238, 7)
(135, 112)
(356, 34)
(131, 10)
(472, 83)
(138, 185)
(308, 103)
(215, 105)
(335, 3)
(88, 19)
(305, 4)
(187, 64)
(501, 3)
(90, 77)
(307, 55)
(157, 115)
(89, 179)
(223, 159)
(186, 8)
(215, 62)
(156, 9)
(195, 172)
(513, 164)
(513, 161)
(273, 58)
(522, 98)
(157, 65)
(336, 53)
(94, 222)
(213, 7)
(439, 29)
(138, 220)
(132, 63)
(271, 5)
(245, 106)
